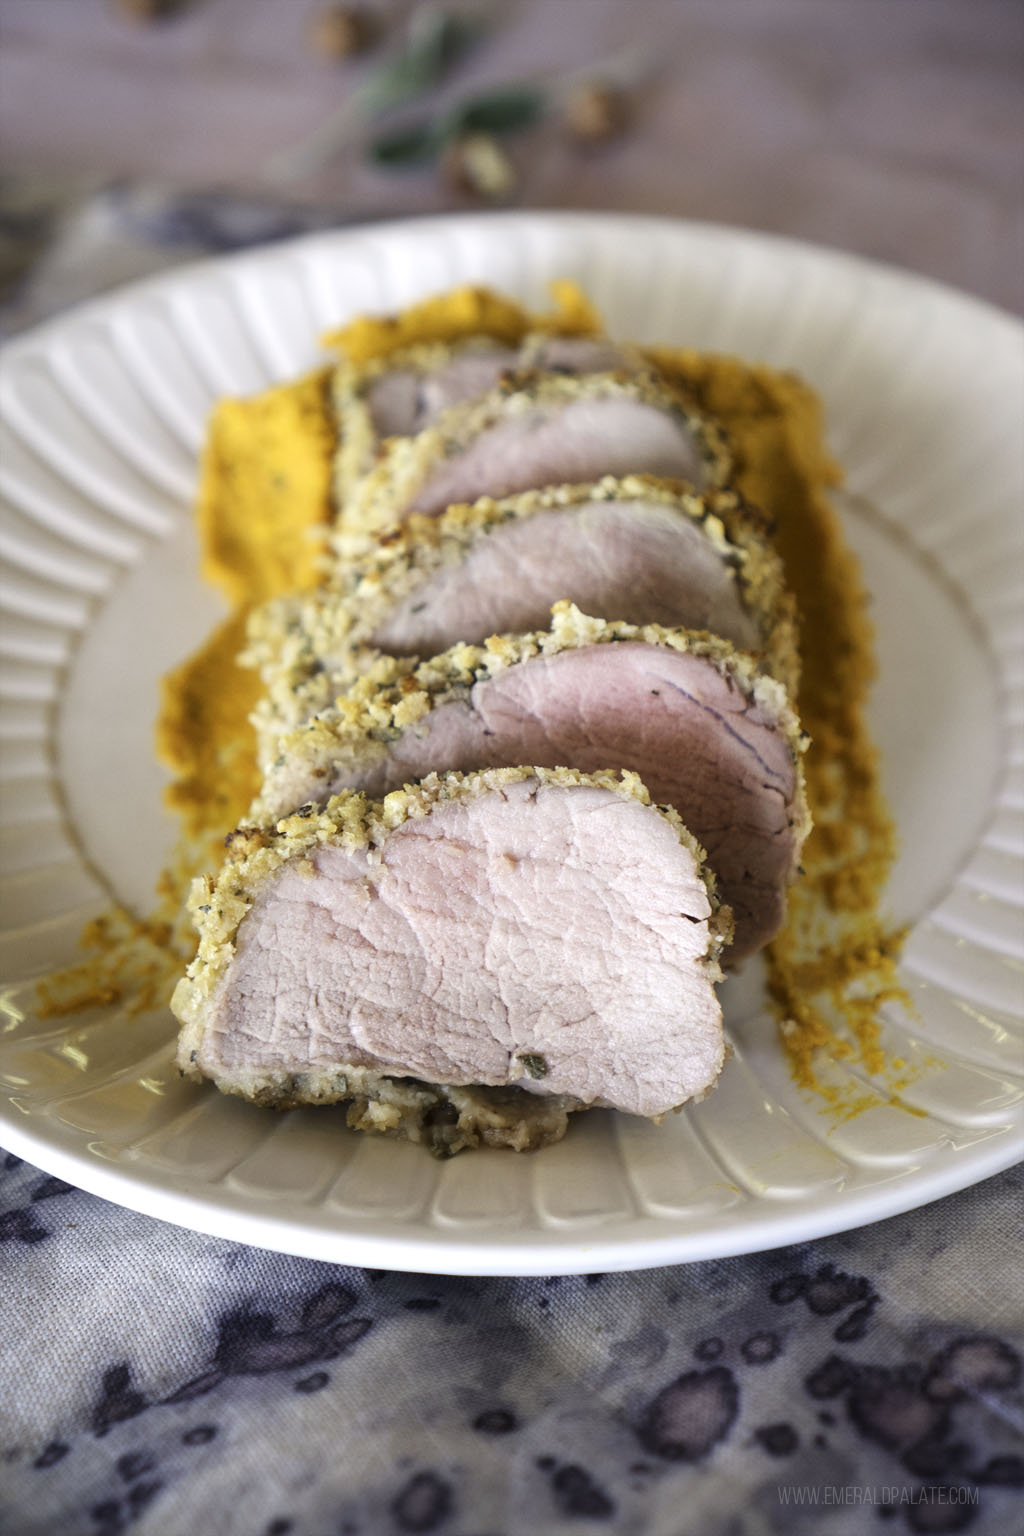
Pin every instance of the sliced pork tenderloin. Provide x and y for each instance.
(402, 393)
(639, 549)
(552, 931)
(533, 430)
(707, 731)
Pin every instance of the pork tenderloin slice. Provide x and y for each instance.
(550, 930)
(639, 549)
(405, 392)
(706, 730)
(410, 393)
(404, 400)
(642, 560)
(533, 431)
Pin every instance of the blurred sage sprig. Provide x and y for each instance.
(503, 110)
(437, 40)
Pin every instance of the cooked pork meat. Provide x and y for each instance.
(638, 549)
(410, 393)
(707, 732)
(402, 400)
(535, 431)
(404, 392)
(548, 930)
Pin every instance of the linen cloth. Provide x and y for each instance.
(159, 1381)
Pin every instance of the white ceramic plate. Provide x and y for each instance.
(104, 415)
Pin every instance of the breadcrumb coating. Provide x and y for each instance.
(308, 648)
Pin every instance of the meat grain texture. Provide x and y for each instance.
(553, 931)
(531, 431)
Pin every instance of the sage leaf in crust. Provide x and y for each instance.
(535, 1065)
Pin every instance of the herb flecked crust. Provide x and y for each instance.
(308, 648)
(390, 698)
(380, 498)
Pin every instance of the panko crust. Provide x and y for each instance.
(390, 697)
(289, 638)
(376, 501)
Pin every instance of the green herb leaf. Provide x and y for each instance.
(437, 40)
(504, 110)
(406, 146)
(535, 1065)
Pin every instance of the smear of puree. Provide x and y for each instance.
(264, 497)
(263, 502)
(835, 962)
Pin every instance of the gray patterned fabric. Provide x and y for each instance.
(169, 1384)
(159, 1381)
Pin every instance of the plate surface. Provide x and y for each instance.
(104, 414)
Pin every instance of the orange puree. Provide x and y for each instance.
(263, 491)
(834, 963)
(464, 312)
(263, 502)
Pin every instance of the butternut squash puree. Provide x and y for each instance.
(264, 500)
(834, 963)
(466, 311)
(265, 494)
(204, 737)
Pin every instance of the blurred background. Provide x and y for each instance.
(134, 133)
